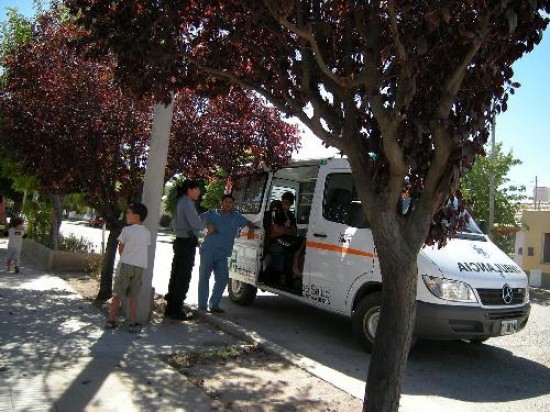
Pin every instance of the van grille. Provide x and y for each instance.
(512, 314)
(493, 297)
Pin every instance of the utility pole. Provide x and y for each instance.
(535, 194)
(153, 187)
(492, 181)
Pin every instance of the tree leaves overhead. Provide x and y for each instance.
(367, 77)
(67, 121)
(236, 132)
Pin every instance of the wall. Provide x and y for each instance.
(535, 223)
(55, 260)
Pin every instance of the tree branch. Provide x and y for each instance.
(285, 106)
(309, 38)
(453, 82)
(401, 53)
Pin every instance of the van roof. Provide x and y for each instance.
(317, 161)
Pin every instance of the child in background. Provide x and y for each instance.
(16, 231)
(133, 243)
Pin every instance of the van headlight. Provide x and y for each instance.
(448, 289)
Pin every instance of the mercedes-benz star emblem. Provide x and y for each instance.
(480, 251)
(507, 294)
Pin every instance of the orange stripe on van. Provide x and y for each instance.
(340, 249)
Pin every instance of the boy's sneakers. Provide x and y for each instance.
(111, 324)
(134, 327)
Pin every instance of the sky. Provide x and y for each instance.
(522, 129)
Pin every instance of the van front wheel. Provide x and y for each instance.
(241, 293)
(365, 319)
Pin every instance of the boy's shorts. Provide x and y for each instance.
(13, 254)
(128, 280)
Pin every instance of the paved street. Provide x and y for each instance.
(505, 374)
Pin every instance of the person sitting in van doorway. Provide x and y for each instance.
(223, 225)
(285, 246)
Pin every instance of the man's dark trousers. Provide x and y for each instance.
(180, 277)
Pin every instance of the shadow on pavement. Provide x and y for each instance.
(53, 338)
(451, 369)
(473, 373)
(539, 297)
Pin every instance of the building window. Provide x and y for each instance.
(530, 251)
(546, 248)
(520, 251)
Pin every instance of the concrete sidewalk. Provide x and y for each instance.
(56, 356)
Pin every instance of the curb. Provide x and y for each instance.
(332, 377)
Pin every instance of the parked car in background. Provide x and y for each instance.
(96, 222)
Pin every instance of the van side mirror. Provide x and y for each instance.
(357, 216)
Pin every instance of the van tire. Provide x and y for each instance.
(365, 319)
(241, 293)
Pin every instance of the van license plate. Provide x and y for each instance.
(507, 327)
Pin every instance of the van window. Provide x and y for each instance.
(341, 203)
(248, 192)
(300, 181)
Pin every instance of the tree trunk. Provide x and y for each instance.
(18, 204)
(57, 217)
(398, 264)
(106, 281)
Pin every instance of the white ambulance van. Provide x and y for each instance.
(468, 289)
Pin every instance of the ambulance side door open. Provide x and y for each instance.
(338, 256)
(246, 260)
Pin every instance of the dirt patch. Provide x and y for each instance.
(88, 287)
(84, 284)
(246, 378)
(243, 377)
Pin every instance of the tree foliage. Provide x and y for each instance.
(507, 197)
(15, 31)
(66, 121)
(236, 132)
(405, 89)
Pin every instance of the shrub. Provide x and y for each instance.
(94, 266)
(73, 244)
(39, 222)
(165, 220)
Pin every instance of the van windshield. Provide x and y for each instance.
(248, 192)
(471, 230)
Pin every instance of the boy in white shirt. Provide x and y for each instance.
(134, 241)
(16, 232)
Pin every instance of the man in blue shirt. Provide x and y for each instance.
(223, 225)
(187, 227)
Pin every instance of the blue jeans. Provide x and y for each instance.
(215, 261)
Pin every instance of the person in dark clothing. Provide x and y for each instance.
(284, 243)
(187, 226)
